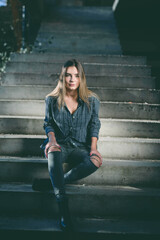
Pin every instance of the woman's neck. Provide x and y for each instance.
(72, 94)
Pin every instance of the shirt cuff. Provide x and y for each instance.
(49, 129)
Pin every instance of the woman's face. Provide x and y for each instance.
(72, 79)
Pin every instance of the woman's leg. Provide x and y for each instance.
(84, 165)
(56, 173)
(57, 179)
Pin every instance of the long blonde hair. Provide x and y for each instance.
(60, 90)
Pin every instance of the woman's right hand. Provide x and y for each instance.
(50, 144)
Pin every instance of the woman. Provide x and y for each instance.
(72, 126)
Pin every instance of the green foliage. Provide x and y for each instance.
(7, 40)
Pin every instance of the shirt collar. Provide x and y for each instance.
(80, 101)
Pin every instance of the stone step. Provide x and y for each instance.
(55, 36)
(77, 41)
(110, 147)
(103, 17)
(112, 172)
(109, 48)
(118, 110)
(29, 227)
(132, 202)
(92, 80)
(109, 127)
(78, 28)
(61, 58)
(70, 3)
(34, 92)
(88, 14)
(90, 68)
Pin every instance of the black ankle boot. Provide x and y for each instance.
(64, 215)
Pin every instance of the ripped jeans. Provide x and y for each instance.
(78, 157)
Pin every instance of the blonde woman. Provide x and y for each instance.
(72, 126)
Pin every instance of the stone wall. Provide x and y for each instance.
(138, 26)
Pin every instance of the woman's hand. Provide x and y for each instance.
(96, 157)
(50, 144)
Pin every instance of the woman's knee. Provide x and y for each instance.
(53, 158)
(95, 160)
(54, 149)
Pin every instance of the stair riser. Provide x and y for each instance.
(80, 28)
(90, 46)
(127, 205)
(56, 37)
(129, 111)
(116, 95)
(101, 70)
(109, 50)
(129, 150)
(108, 148)
(52, 58)
(107, 110)
(108, 128)
(130, 129)
(81, 42)
(93, 81)
(125, 173)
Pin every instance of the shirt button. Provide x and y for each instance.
(73, 116)
(70, 128)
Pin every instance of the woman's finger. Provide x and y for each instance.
(96, 153)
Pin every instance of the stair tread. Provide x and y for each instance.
(84, 64)
(79, 54)
(89, 225)
(118, 162)
(102, 119)
(89, 189)
(90, 87)
(107, 102)
(107, 138)
(87, 75)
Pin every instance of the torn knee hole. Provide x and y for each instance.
(95, 161)
(54, 149)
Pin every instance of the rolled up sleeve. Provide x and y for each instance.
(94, 124)
(48, 121)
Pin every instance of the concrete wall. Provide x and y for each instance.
(138, 26)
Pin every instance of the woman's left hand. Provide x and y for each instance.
(96, 156)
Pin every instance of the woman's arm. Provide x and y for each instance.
(48, 121)
(94, 124)
(94, 152)
(94, 127)
(52, 142)
(48, 126)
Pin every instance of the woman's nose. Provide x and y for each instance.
(71, 78)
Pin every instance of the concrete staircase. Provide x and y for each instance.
(121, 200)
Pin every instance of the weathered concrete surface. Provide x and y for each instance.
(113, 172)
(105, 94)
(92, 80)
(90, 68)
(102, 200)
(110, 147)
(118, 110)
(109, 127)
(92, 58)
(89, 228)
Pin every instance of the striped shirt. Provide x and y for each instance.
(76, 128)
